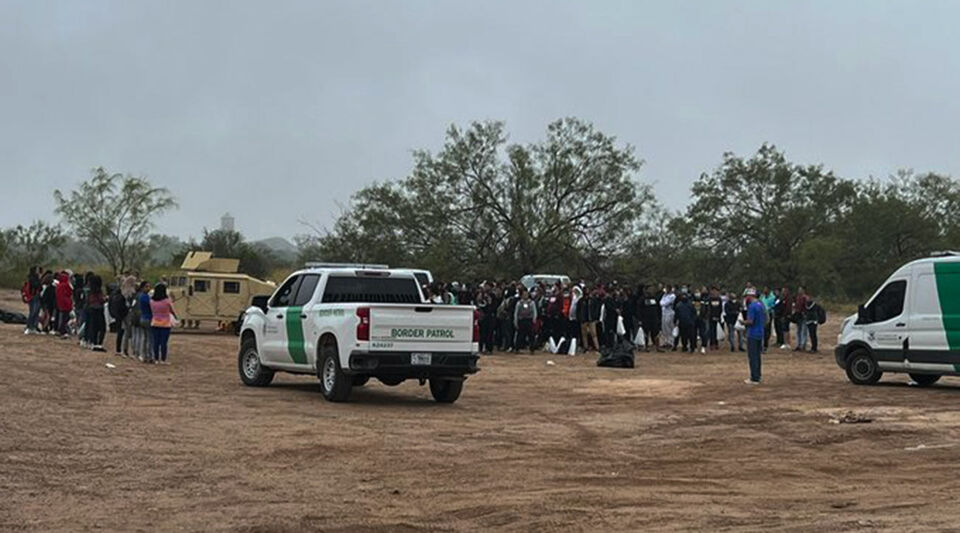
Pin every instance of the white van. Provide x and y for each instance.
(910, 325)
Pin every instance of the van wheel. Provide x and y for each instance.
(252, 373)
(334, 384)
(446, 390)
(925, 380)
(862, 369)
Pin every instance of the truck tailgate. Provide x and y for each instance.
(440, 328)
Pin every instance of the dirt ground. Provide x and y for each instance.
(679, 443)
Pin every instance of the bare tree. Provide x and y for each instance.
(114, 213)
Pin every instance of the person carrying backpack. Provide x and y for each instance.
(30, 294)
(64, 295)
(48, 301)
(814, 316)
(117, 306)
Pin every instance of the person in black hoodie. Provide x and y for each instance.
(731, 311)
(650, 317)
(611, 312)
(686, 319)
(714, 316)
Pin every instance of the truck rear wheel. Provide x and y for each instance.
(252, 373)
(334, 384)
(925, 380)
(862, 369)
(446, 390)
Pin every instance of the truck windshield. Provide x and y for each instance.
(346, 289)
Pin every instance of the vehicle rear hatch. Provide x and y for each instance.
(441, 328)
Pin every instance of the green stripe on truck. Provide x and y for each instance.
(295, 336)
(948, 291)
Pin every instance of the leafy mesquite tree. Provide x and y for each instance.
(114, 214)
(482, 207)
(763, 208)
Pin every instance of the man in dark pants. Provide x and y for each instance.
(525, 313)
(755, 322)
(686, 316)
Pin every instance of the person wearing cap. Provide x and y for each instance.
(755, 322)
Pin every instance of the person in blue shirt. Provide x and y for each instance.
(755, 322)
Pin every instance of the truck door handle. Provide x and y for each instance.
(279, 316)
(303, 316)
(901, 325)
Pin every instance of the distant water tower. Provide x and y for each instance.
(226, 222)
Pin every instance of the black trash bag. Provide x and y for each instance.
(12, 318)
(619, 355)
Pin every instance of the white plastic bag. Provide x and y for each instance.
(621, 330)
(739, 326)
(721, 334)
(640, 339)
(573, 347)
(676, 332)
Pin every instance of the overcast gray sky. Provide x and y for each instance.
(275, 111)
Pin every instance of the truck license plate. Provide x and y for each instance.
(421, 358)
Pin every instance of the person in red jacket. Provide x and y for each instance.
(64, 303)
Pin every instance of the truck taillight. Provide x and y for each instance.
(476, 326)
(363, 326)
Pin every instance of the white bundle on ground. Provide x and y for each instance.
(573, 347)
(640, 339)
(553, 346)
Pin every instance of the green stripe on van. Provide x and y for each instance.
(948, 291)
(295, 336)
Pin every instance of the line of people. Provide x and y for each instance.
(79, 306)
(655, 317)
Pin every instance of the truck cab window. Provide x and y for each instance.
(286, 293)
(887, 305)
(307, 286)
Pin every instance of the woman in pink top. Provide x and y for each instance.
(162, 322)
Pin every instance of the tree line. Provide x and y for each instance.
(574, 202)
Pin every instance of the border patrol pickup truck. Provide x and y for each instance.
(346, 324)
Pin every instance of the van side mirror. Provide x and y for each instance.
(261, 302)
(861, 314)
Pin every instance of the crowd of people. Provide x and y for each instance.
(658, 317)
(79, 306)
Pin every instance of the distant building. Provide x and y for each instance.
(226, 222)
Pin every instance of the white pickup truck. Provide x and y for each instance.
(346, 324)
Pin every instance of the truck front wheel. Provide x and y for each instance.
(446, 390)
(252, 373)
(862, 369)
(334, 384)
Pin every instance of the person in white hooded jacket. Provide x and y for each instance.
(666, 305)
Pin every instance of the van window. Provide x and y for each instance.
(285, 294)
(888, 303)
(231, 287)
(307, 286)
